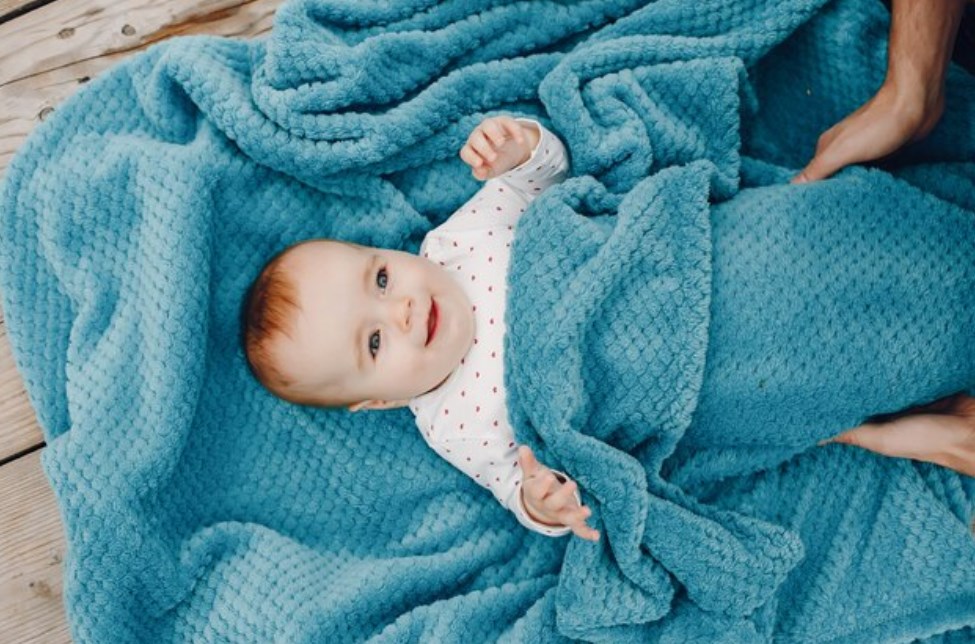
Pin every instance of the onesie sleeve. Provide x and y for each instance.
(547, 166)
(502, 201)
(492, 461)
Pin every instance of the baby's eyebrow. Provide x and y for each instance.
(365, 276)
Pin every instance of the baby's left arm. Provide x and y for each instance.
(521, 153)
(552, 499)
(493, 460)
(499, 144)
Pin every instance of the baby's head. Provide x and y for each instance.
(335, 324)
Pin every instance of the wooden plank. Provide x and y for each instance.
(31, 553)
(49, 52)
(45, 55)
(10, 9)
(18, 423)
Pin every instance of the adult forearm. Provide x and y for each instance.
(911, 100)
(922, 35)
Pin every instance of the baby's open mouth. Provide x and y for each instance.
(431, 321)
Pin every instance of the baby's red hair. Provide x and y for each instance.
(270, 307)
(269, 310)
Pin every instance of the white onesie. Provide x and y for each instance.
(465, 419)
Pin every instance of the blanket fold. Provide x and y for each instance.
(654, 266)
(666, 347)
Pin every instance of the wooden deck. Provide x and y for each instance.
(47, 50)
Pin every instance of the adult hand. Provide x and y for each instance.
(880, 127)
(549, 501)
(911, 100)
(941, 432)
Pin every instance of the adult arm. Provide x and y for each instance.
(911, 100)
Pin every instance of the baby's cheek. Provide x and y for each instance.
(429, 361)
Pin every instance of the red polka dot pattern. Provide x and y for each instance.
(474, 246)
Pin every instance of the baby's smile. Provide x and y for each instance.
(432, 321)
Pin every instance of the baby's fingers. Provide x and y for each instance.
(483, 146)
(494, 131)
(527, 460)
(539, 486)
(586, 532)
(564, 497)
(576, 519)
(514, 129)
(470, 157)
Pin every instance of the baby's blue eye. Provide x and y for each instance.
(374, 343)
(381, 279)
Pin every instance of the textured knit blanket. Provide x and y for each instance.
(683, 327)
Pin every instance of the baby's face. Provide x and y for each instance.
(363, 330)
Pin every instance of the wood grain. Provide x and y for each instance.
(18, 424)
(12, 8)
(31, 554)
(48, 53)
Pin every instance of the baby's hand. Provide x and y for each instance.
(549, 501)
(498, 144)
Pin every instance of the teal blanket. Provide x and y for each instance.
(683, 327)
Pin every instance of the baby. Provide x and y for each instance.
(332, 323)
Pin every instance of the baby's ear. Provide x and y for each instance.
(378, 404)
(365, 404)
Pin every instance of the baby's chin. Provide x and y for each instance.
(439, 383)
(459, 351)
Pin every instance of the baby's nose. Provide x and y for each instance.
(406, 313)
